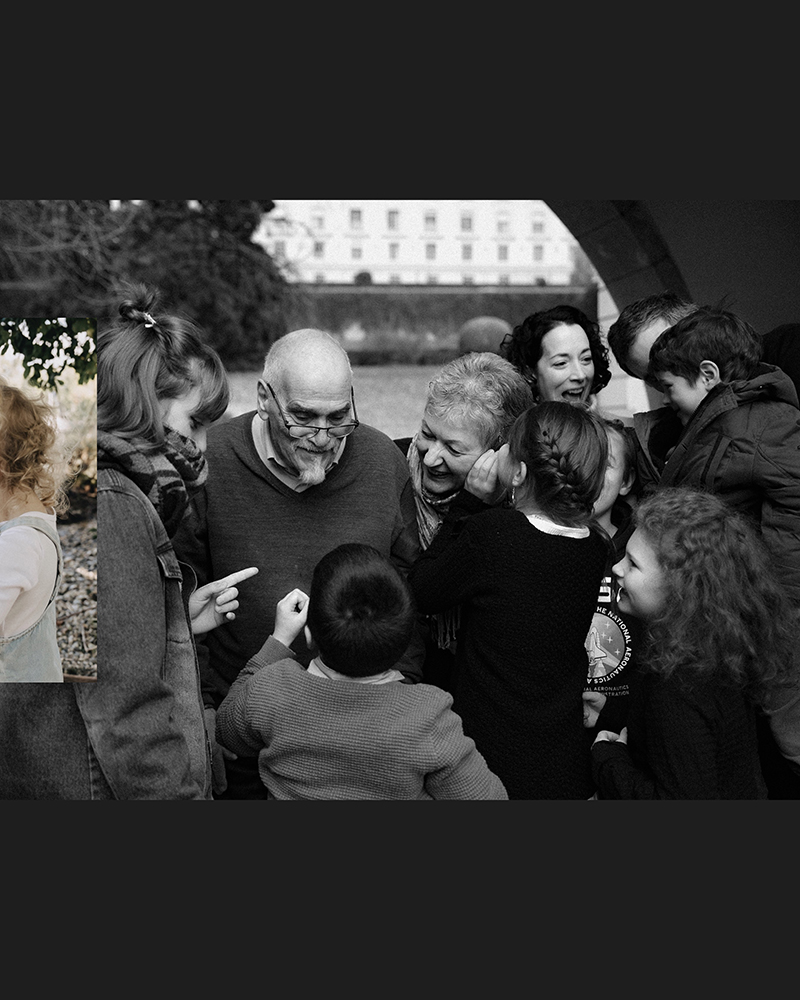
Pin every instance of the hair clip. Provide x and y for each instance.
(149, 321)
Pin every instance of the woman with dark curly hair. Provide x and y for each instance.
(721, 640)
(560, 354)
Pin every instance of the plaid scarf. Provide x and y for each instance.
(430, 513)
(167, 475)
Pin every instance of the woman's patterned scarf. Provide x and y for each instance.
(430, 513)
(167, 475)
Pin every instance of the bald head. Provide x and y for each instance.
(308, 358)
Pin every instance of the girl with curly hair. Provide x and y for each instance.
(721, 640)
(560, 354)
(31, 494)
(526, 577)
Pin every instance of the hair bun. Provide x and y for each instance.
(138, 306)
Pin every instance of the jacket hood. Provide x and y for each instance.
(767, 382)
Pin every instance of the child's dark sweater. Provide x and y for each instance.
(527, 600)
(696, 743)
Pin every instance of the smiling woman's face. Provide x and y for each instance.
(565, 371)
(448, 451)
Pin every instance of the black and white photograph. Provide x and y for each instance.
(400, 500)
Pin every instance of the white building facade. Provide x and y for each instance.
(419, 242)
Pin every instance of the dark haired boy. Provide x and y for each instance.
(739, 427)
(347, 727)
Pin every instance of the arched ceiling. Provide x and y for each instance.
(746, 252)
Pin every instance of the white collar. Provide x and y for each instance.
(318, 669)
(550, 527)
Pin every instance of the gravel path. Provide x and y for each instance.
(77, 600)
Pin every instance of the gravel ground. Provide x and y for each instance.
(77, 600)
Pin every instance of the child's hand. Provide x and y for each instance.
(215, 603)
(593, 702)
(482, 478)
(606, 734)
(290, 616)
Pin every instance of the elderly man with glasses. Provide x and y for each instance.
(288, 482)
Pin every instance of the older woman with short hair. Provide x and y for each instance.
(471, 406)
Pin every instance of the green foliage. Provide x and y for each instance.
(201, 259)
(72, 257)
(51, 346)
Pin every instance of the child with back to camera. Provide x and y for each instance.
(721, 639)
(527, 579)
(31, 495)
(347, 727)
(613, 639)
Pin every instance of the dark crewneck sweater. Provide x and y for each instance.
(245, 516)
(696, 742)
(527, 600)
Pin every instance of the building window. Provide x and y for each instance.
(432, 279)
(538, 252)
(319, 249)
(467, 279)
(355, 218)
(318, 222)
(394, 279)
(430, 251)
(394, 249)
(466, 223)
(466, 251)
(502, 225)
(279, 248)
(320, 279)
(392, 218)
(356, 253)
(503, 279)
(430, 222)
(502, 252)
(538, 226)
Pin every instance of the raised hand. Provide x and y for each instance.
(290, 616)
(482, 478)
(215, 603)
(593, 702)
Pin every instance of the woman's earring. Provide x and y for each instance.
(513, 494)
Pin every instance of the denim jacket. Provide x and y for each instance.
(33, 655)
(138, 731)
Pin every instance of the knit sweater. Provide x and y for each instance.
(527, 600)
(318, 738)
(245, 516)
(695, 743)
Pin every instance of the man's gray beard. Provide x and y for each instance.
(313, 469)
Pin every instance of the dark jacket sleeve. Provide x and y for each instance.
(129, 710)
(191, 546)
(777, 472)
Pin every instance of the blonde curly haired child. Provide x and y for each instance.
(32, 475)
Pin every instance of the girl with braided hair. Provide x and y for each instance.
(526, 577)
(720, 644)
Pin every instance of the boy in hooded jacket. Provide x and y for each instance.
(732, 428)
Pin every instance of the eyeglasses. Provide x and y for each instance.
(309, 430)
